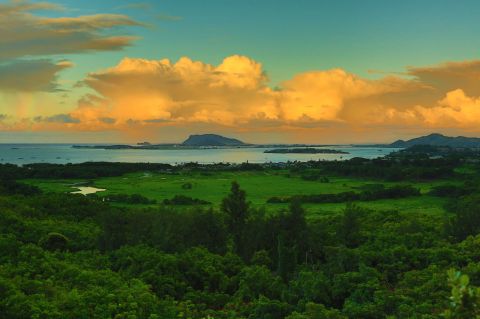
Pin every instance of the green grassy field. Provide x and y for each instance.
(259, 186)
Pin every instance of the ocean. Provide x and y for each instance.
(64, 153)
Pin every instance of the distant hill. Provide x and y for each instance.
(211, 140)
(439, 140)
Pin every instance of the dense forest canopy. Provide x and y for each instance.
(74, 256)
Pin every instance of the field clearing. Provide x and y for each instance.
(260, 186)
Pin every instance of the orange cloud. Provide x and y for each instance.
(456, 109)
(185, 91)
(139, 95)
(325, 95)
(234, 93)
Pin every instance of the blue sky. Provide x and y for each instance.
(294, 36)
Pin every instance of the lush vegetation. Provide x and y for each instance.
(212, 184)
(73, 256)
(184, 200)
(134, 199)
(373, 192)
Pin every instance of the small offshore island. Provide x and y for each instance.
(305, 150)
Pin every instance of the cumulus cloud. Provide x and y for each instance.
(236, 94)
(31, 75)
(139, 95)
(23, 33)
(327, 95)
(187, 90)
(456, 109)
(233, 93)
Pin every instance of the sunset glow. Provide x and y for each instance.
(78, 71)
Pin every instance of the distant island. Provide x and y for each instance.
(212, 140)
(192, 142)
(305, 150)
(436, 139)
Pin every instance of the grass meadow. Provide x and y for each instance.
(260, 186)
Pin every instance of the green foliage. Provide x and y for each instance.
(49, 285)
(450, 190)
(166, 229)
(134, 199)
(12, 187)
(466, 221)
(236, 208)
(187, 186)
(184, 200)
(256, 281)
(270, 309)
(349, 230)
(317, 311)
(262, 258)
(399, 191)
(465, 299)
(54, 241)
(66, 256)
(314, 176)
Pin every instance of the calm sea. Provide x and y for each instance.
(64, 153)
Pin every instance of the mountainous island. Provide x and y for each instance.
(436, 139)
(211, 140)
(193, 141)
(305, 150)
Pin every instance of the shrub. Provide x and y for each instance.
(187, 186)
(54, 241)
(185, 200)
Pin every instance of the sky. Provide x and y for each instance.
(270, 71)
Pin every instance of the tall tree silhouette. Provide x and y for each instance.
(236, 209)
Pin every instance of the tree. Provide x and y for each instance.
(256, 281)
(292, 239)
(236, 208)
(270, 309)
(296, 227)
(296, 218)
(349, 230)
(466, 221)
(286, 258)
(465, 299)
(54, 241)
(317, 311)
